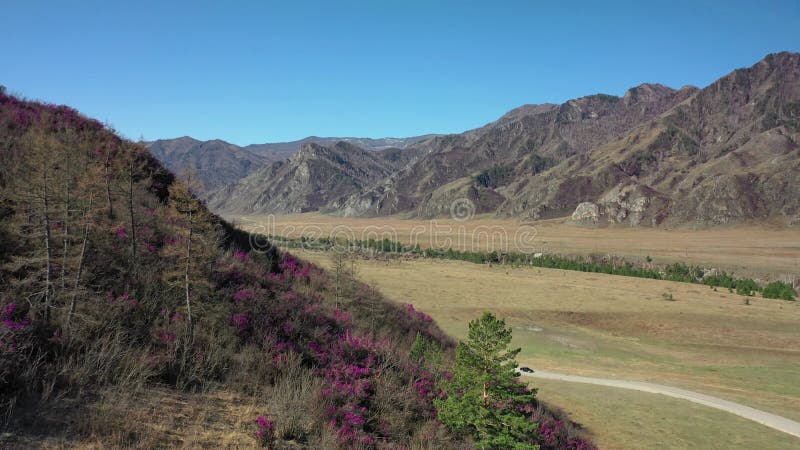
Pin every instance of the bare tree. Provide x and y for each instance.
(339, 260)
(201, 239)
(107, 167)
(48, 289)
(81, 260)
(132, 170)
(65, 226)
(35, 191)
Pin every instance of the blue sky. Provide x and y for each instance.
(263, 71)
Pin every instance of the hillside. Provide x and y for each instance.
(656, 156)
(213, 164)
(131, 317)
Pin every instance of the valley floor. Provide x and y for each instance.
(607, 326)
(746, 250)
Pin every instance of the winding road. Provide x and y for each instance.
(771, 420)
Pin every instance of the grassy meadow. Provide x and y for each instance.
(619, 327)
(646, 421)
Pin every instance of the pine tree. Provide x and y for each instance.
(427, 352)
(484, 398)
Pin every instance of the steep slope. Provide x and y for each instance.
(214, 164)
(131, 317)
(655, 156)
(119, 290)
(314, 178)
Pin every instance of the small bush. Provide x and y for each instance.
(266, 431)
(779, 289)
(494, 176)
(746, 286)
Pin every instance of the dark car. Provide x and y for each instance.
(526, 369)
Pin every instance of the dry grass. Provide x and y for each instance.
(747, 250)
(611, 326)
(162, 417)
(166, 418)
(148, 418)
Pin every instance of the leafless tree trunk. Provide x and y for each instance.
(186, 277)
(47, 235)
(339, 268)
(66, 231)
(133, 219)
(73, 302)
(108, 184)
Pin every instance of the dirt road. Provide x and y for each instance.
(771, 420)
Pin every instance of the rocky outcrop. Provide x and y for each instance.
(586, 213)
(635, 205)
(630, 204)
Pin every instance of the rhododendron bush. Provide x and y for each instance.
(281, 318)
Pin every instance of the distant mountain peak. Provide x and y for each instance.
(529, 110)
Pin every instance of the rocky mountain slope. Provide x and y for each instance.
(726, 153)
(523, 144)
(315, 178)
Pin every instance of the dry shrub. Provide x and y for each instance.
(396, 405)
(202, 362)
(108, 360)
(252, 370)
(117, 421)
(324, 438)
(294, 401)
(432, 436)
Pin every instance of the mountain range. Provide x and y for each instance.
(656, 156)
(217, 163)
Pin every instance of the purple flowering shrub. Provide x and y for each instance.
(266, 431)
(15, 326)
(354, 349)
(556, 433)
(351, 362)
